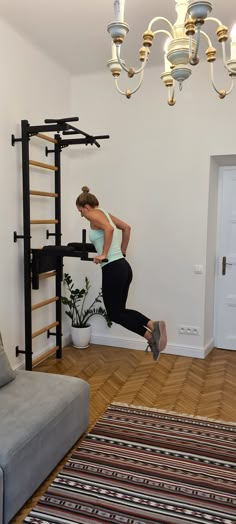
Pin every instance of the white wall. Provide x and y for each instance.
(33, 88)
(154, 173)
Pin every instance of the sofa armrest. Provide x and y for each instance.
(1, 495)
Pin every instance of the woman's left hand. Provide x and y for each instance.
(99, 258)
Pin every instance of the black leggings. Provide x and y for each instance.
(116, 279)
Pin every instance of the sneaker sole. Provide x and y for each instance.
(161, 335)
(152, 345)
(156, 352)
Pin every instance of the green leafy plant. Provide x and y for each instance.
(76, 304)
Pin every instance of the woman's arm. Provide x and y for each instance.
(126, 229)
(100, 221)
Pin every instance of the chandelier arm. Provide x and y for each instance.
(121, 62)
(231, 87)
(123, 65)
(211, 19)
(118, 89)
(163, 31)
(207, 37)
(194, 55)
(158, 18)
(225, 61)
(130, 92)
(219, 92)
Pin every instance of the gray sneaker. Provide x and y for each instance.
(159, 334)
(153, 347)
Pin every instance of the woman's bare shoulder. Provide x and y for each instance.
(98, 219)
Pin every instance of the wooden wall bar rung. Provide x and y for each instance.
(46, 137)
(43, 193)
(45, 355)
(47, 275)
(44, 329)
(44, 221)
(44, 303)
(41, 164)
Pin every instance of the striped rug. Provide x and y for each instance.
(144, 466)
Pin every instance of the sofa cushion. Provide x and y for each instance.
(44, 414)
(6, 372)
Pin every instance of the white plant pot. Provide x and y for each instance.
(81, 336)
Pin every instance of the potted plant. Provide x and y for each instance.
(79, 313)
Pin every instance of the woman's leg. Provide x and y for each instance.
(117, 277)
(125, 287)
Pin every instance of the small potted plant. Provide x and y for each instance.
(79, 313)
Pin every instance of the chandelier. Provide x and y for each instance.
(181, 47)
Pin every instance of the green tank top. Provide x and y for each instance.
(96, 236)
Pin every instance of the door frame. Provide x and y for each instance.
(221, 169)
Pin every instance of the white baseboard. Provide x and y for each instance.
(119, 342)
(19, 366)
(189, 351)
(171, 349)
(130, 343)
(66, 339)
(208, 348)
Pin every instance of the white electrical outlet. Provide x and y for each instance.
(188, 330)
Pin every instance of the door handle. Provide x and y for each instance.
(224, 264)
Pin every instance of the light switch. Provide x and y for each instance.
(198, 269)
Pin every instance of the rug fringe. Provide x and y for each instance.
(145, 408)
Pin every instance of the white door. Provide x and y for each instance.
(225, 308)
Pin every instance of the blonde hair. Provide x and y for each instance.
(86, 198)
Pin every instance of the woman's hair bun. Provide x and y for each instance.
(85, 189)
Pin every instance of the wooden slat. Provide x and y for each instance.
(47, 275)
(46, 137)
(44, 221)
(43, 193)
(44, 303)
(45, 355)
(44, 329)
(41, 164)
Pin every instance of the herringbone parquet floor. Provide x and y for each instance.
(186, 385)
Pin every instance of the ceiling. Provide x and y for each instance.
(74, 32)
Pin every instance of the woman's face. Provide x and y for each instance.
(84, 210)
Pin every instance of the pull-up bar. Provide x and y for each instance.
(61, 120)
(62, 125)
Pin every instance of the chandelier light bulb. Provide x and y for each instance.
(166, 45)
(233, 32)
(119, 10)
(166, 61)
(233, 43)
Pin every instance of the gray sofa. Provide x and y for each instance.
(42, 415)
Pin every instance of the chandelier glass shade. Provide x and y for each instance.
(181, 47)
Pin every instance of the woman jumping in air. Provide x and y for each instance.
(116, 271)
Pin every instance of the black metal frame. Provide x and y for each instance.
(50, 257)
